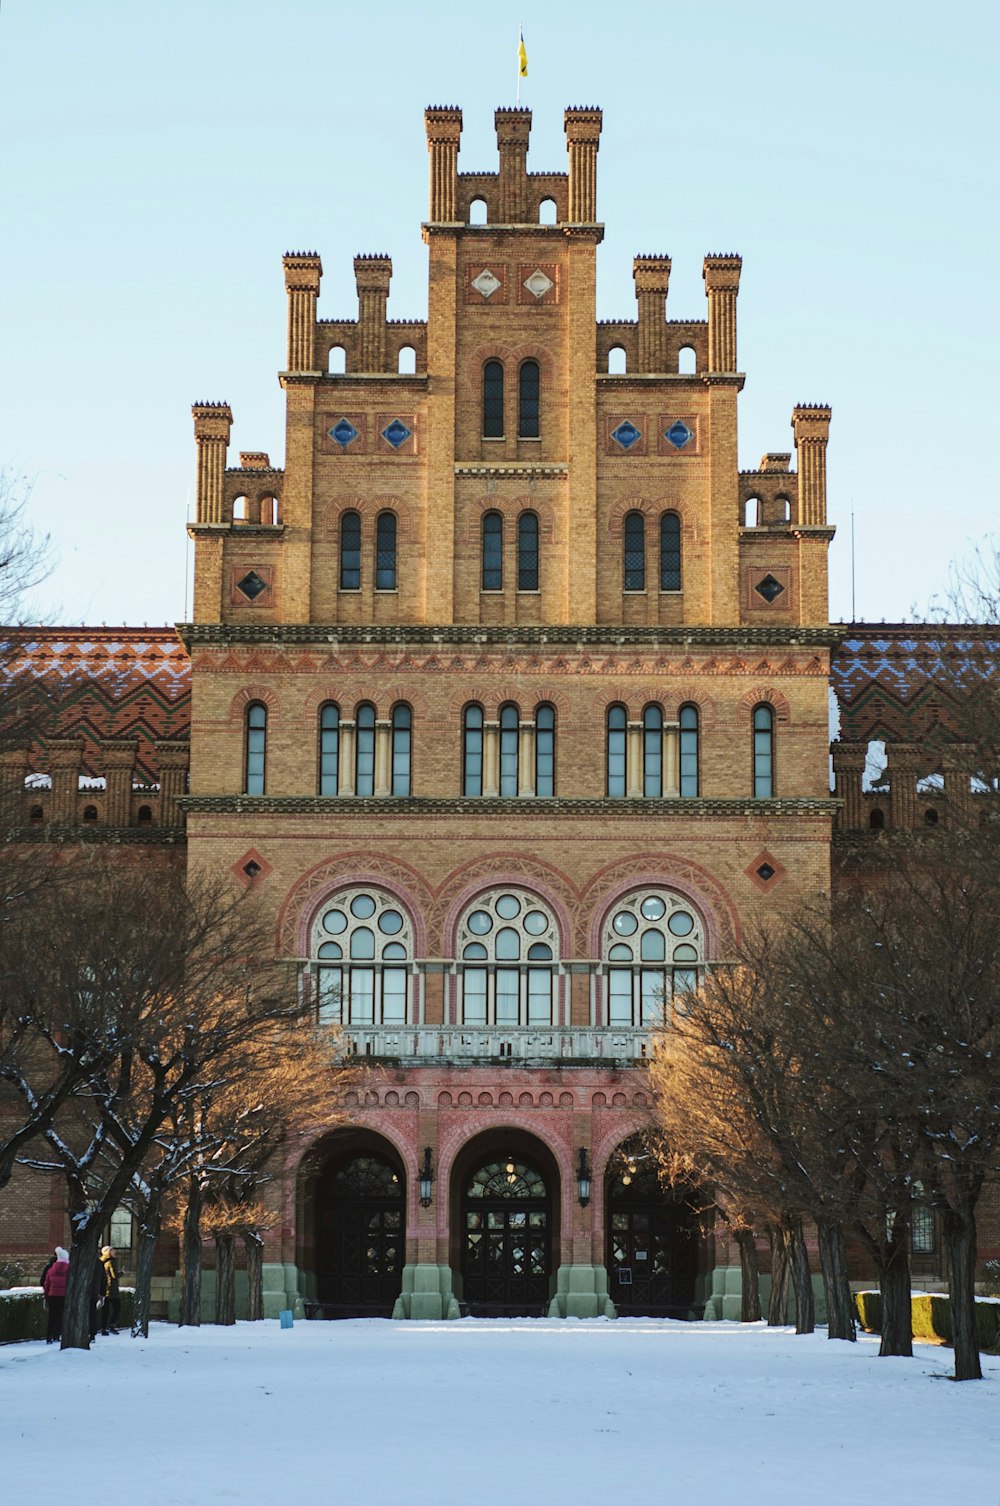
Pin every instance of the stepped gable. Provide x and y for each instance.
(99, 683)
(904, 681)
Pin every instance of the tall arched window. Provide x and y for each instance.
(689, 752)
(617, 735)
(652, 752)
(364, 751)
(350, 552)
(763, 753)
(527, 551)
(670, 552)
(493, 400)
(256, 748)
(510, 734)
(635, 552)
(492, 552)
(402, 740)
(363, 942)
(528, 400)
(545, 751)
(385, 552)
(472, 751)
(653, 947)
(507, 946)
(329, 749)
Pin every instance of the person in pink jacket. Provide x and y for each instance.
(54, 1286)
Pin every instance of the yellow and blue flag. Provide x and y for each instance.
(522, 59)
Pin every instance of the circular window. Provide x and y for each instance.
(653, 908)
(390, 922)
(508, 907)
(335, 921)
(480, 923)
(535, 923)
(625, 923)
(362, 906)
(681, 923)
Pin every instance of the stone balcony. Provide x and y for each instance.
(421, 1045)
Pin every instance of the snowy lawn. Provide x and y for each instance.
(479, 1412)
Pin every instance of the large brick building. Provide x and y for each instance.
(508, 694)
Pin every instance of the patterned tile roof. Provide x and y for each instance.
(905, 681)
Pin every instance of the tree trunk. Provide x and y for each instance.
(750, 1277)
(254, 1246)
(959, 1229)
(77, 1313)
(225, 1279)
(833, 1264)
(149, 1228)
(805, 1302)
(190, 1315)
(894, 1284)
(777, 1302)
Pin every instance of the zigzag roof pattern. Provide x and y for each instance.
(905, 682)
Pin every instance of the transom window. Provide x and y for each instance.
(653, 948)
(363, 943)
(507, 949)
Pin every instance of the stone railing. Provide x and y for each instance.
(426, 1043)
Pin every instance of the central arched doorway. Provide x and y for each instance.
(360, 1231)
(654, 1239)
(506, 1232)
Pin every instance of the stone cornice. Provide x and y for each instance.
(513, 472)
(325, 636)
(645, 810)
(123, 836)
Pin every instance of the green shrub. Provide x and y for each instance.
(931, 1317)
(22, 1316)
(868, 1306)
(12, 1273)
(991, 1278)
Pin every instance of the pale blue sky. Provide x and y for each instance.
(156, 159)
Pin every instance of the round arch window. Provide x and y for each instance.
(653, 946)
(363, 974)
(507, 949)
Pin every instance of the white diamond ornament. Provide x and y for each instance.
(538, 283)
(486, 283)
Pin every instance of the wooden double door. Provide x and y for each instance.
(506, 1240)
(361, 1238)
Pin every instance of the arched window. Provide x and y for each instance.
(350, 552)
(548, 213)
(402, 741)
(617, 735)
(527, 551)
(617, 361)
(337, 363)
(763, 753)
(256, 747)
(635, 552)
(145, 815)
(492, 552)
(876, 820)
(687, 360)
(652, 752)
(510, 734)
(241, 509)
(364, 751)
(689, 752)
(478, 212)
(406, 361)
(930, 816)
(36, 813)
(493, 400)
(507, 946)
(90, 812)
(528, 395)
(545, 751)
(472, 751)
(329, 749)
(670, 552)
(363, 943)
(653, 947)
(385, 552)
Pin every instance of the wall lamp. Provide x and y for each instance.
(583, 1179)
(426, 1179)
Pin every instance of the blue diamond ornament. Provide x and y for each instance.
(396, 433)
(679, 435)
(626, 434)
(343, 432)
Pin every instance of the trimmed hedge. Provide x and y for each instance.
(23, 1315)
(931, 1317)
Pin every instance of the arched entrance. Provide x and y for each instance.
(653, 1239)
(506, 1228)
(359, 1229)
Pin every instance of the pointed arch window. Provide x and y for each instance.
(689, 752)
(385, 552)
(493, 400)
(402, 743)
(635, 552)
(763, 753)
(256, 748)
(329, 749)
(364, 751)
(510, 735)
(528, 400)
(350, 551)
(652, 752)
(617, 736)
(472, 751)
(545, 751)
(492, 552)
(527, 551)
(670, 552)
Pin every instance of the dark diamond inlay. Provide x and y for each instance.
(251, 869)
(765, 871)
(626, 434)
(679, 435)
(251, 585)
(396, 433)
(343, 432)
(769, 588)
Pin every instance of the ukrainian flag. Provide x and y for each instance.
(522, 59)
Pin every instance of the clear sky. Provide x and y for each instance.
(158, 156)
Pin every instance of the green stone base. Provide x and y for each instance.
(726, 1295)
(426, 1294)
(281, 1292)
(581, 1292)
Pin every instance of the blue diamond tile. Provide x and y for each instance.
(626, 434)
(679, 435)
(343, 432)
(396, 433)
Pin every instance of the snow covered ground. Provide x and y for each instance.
(483, 1412)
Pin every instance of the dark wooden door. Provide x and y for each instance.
(652, 1246)
(506, 1241)
(361, 1239)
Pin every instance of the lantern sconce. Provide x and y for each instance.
(426, 1179)
(583, 1179)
